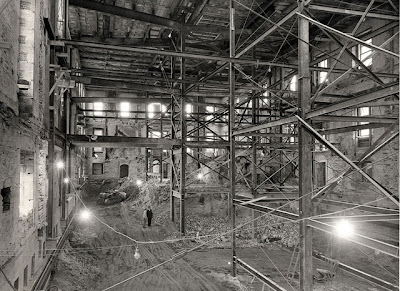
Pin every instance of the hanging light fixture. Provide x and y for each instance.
(137, 254)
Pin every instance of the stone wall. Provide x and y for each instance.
(23, 143)
(354, 188)
(113, 158)
(9, 32)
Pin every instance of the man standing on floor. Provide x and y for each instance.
(149, 216)
(144, 217)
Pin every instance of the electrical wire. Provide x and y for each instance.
(202, 244)
(184, 252)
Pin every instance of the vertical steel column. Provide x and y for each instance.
(254, 121)
(183, 134)
(161, 136)
(146, 150)
(305, 156)
(172, 162)
(232, 165)
(51, 175)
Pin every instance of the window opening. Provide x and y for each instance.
(98, 108)
(125, 107)
(293, 83)
(364, 135)
(6, 197)
(124, 171)
(322, 76)
(97, 168)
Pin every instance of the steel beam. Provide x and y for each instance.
(331, 9)
(370, 96)
(352, 128)
(391, 133)
(361, 207)
(381, 93)
(267, 281)
(120, 99)
(176, 54)
(359, 273)
(389, 195)
(335, 31)
(121, 142)
(339, 118)
(269, 31)
(374, 244)
(371, 243)
(281, 121)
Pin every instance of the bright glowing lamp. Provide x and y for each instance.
(60, 165)
(85, 214)
(200, 176)
(66, 180)
(344, 228)
(139, 182)
(137, 254)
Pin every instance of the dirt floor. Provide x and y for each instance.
(97, 258)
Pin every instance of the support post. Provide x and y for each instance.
(232, 164)
(254, 121)
(183, 135)
(173, 158)
(305, 156)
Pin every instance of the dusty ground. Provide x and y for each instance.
(96, 258)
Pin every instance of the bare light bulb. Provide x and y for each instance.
(60, 165)
(66, 180)
(139, 182)
(344, 228)
(137, 254)
(200, 176)
(85, 214)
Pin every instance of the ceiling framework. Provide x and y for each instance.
(239, 57)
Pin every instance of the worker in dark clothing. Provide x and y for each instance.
(149, 216)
